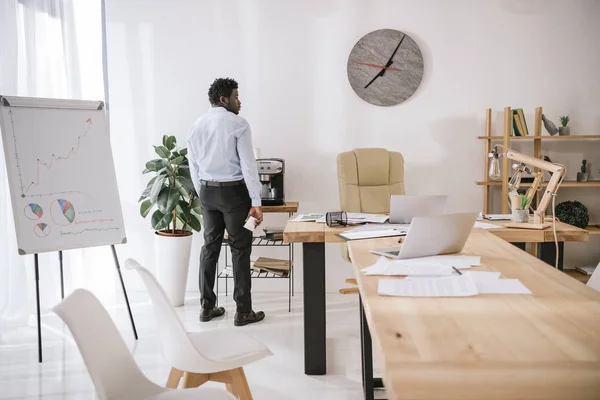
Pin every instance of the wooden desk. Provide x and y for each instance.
(540, 346)
(313, 237)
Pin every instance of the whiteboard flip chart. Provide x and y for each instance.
(61, 174)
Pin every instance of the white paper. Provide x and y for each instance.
(484, 225)
(483, 276)
(372, 234)
(457, 261)
(308, 217)
(451, 286)
(377, 227)
(383, 266)
(501, 286)
(367, 218)
(497, 217)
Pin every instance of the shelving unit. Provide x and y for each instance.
(260, 241)
(537, 138)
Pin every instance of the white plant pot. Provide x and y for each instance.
(172, 265)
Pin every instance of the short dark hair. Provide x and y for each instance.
(221, 87)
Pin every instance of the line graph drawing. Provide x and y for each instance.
(91, 221)
(39, 163)
(62, 212)
(41, 230)
(63, 233)
(33, 211)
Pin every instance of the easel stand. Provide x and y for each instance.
(62, 294)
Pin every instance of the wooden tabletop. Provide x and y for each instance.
(288, 207)
(314, 232)
(540, 346)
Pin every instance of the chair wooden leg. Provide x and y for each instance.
(348, 290)
(192, 380)
(240, 384)
(174, 377)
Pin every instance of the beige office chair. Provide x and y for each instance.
(367, 178)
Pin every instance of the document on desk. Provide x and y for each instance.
(502, 286)
(484, 225)
(362, 218)
(371, 234)
(383, 266)
(309, 217)
(497, 217)
(378, 227)
(451, 286)
(457, 261)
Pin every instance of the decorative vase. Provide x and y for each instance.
(549, 125)
(520, 216)
(564, 131)
(582, 177)
(172, 253)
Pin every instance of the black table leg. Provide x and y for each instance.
(520, 245)
(366, 348)
(315, 351)
(547, 253)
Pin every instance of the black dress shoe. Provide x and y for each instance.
(245, 318)
(209, 313)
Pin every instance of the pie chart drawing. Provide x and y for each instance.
(63, 212)
(41, 230)
(33, 211)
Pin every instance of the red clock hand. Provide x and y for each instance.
(377, 66)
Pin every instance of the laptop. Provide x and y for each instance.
(433, 235)
(403, 208)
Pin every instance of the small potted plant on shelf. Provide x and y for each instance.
(177, 213)
(583, 175)
(564, 130)
(521, 209)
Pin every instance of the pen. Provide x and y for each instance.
(460, 273)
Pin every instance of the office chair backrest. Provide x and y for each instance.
(111, 366)
(175, 344)
(368, 177)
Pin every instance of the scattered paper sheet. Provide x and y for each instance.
(497, 217)
(451, 286)
(484, 225)
(450, 260)
(383, 266)
(308, 217)
(501, 286)
(377, 227)
(361, 218)
(371, 234)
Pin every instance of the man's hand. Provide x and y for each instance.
(257, 213)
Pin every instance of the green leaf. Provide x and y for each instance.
(162, 151)
(184, 171)
(169, 142)
(186, 183)
(183, 151)
(146, 191)
(167, 200)
(157, 187)
(197, 206)
(154, 165)
(194, 223)
(178, 160)
(145, 208)
(145, 171)
(160, 221)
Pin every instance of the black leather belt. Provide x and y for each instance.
(221, 184)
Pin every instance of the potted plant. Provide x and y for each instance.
(564, 130)
(177, 213)
(583, 175)
(521, 209)
(573, 212)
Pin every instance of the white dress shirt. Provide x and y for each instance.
(220, 149)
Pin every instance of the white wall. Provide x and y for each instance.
(290, 60)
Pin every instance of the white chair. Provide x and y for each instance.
(111, 366)
(198, 357)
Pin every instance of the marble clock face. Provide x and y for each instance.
(385, 67)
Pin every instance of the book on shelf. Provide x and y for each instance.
(274, 266)
(586, 270)
(519, 123)
(273, 233)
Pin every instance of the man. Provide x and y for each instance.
(225, 175)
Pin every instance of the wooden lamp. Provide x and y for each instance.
(558, 173)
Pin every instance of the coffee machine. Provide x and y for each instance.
(270, 174)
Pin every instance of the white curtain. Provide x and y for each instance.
(49, 48)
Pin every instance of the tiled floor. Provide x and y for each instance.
(63, 375)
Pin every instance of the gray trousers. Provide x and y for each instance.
(226, 207)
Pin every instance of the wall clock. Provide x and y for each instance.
(385, 67)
